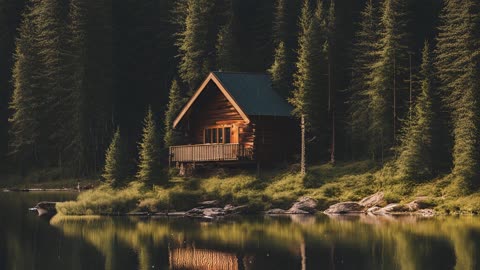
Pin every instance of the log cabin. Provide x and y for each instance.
(233, 118)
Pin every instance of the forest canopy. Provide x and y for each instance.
(387, 80)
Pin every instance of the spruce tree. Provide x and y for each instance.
(330, 52)
(283, 66)
(415, 151)
(150, 170)
(25, 99)
(387, 78)
(281, 23)
(226, 48)
(192, 42)
(281, 71)
(308, 85)
(365, 45)
(55, 83)
(115, 172)
(175, 103)
(457, 63)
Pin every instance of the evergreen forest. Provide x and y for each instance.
(392, 81)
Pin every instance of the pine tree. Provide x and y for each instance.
(281, 71)
(280, 23)
(226, 48)
(25, 98)
(54, 114)
(115, 172)
(457, 63)
(366, 40)
(175, 103)
(330, 52)
(77, 46)
(307, 80)
(195, 62)
(150, 169)
(415, 151)
(387, 77)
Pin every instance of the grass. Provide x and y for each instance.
(276, 189)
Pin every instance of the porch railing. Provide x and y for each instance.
(210, 152)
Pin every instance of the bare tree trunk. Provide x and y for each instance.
(303, 148)
(329, 85)
(410, 100)
(394, 98)
(332, 153)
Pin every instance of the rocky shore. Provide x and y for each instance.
(377, 205)
(374, 205)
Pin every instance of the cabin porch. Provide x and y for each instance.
(197, 153)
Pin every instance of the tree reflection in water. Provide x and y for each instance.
(297, 242)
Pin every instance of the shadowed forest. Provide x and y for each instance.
(393, 81)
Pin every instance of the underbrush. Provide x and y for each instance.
(276, 189)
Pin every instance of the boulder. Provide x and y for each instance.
(426, 212)
(212, 203)
(276, 211)
(373, 209)
(236, 210)
(46, 208)
(205, 212)
(377, 199)
(304, 205)
(418, 204)
(394, 208)
(297, 212)
(345, 208)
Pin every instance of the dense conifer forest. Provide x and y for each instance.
(394, 81)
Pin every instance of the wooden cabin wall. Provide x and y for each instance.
(277, 139)
(213, 109)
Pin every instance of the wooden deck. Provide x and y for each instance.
(210, 153)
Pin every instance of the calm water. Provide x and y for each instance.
(30, 242)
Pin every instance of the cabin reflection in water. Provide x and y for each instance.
(360, 242)
(203, 259)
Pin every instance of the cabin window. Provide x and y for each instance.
(227, 135)
(217, 135)
(208, 135)
(214, 135)
(220, 135)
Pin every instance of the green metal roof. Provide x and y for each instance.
(254, 94)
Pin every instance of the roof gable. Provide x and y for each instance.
(250, 94)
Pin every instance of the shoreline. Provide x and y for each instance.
(22, 190)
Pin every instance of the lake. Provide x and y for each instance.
(297, 242)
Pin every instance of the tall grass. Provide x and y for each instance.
(275, 189)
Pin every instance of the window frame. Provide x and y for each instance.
(217, 134)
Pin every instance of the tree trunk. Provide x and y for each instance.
(303, 148)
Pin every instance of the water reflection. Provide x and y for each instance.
(297, 242)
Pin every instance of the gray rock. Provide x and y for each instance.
(418, 204)
(46, 208)
(213, 212)
(377, 199)
(394, 208)
(426, 212)
(213, 203)
(345, 208)
(235, 210)
(297, 212)
(373, 209)
(276, 211)
(304, 205)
